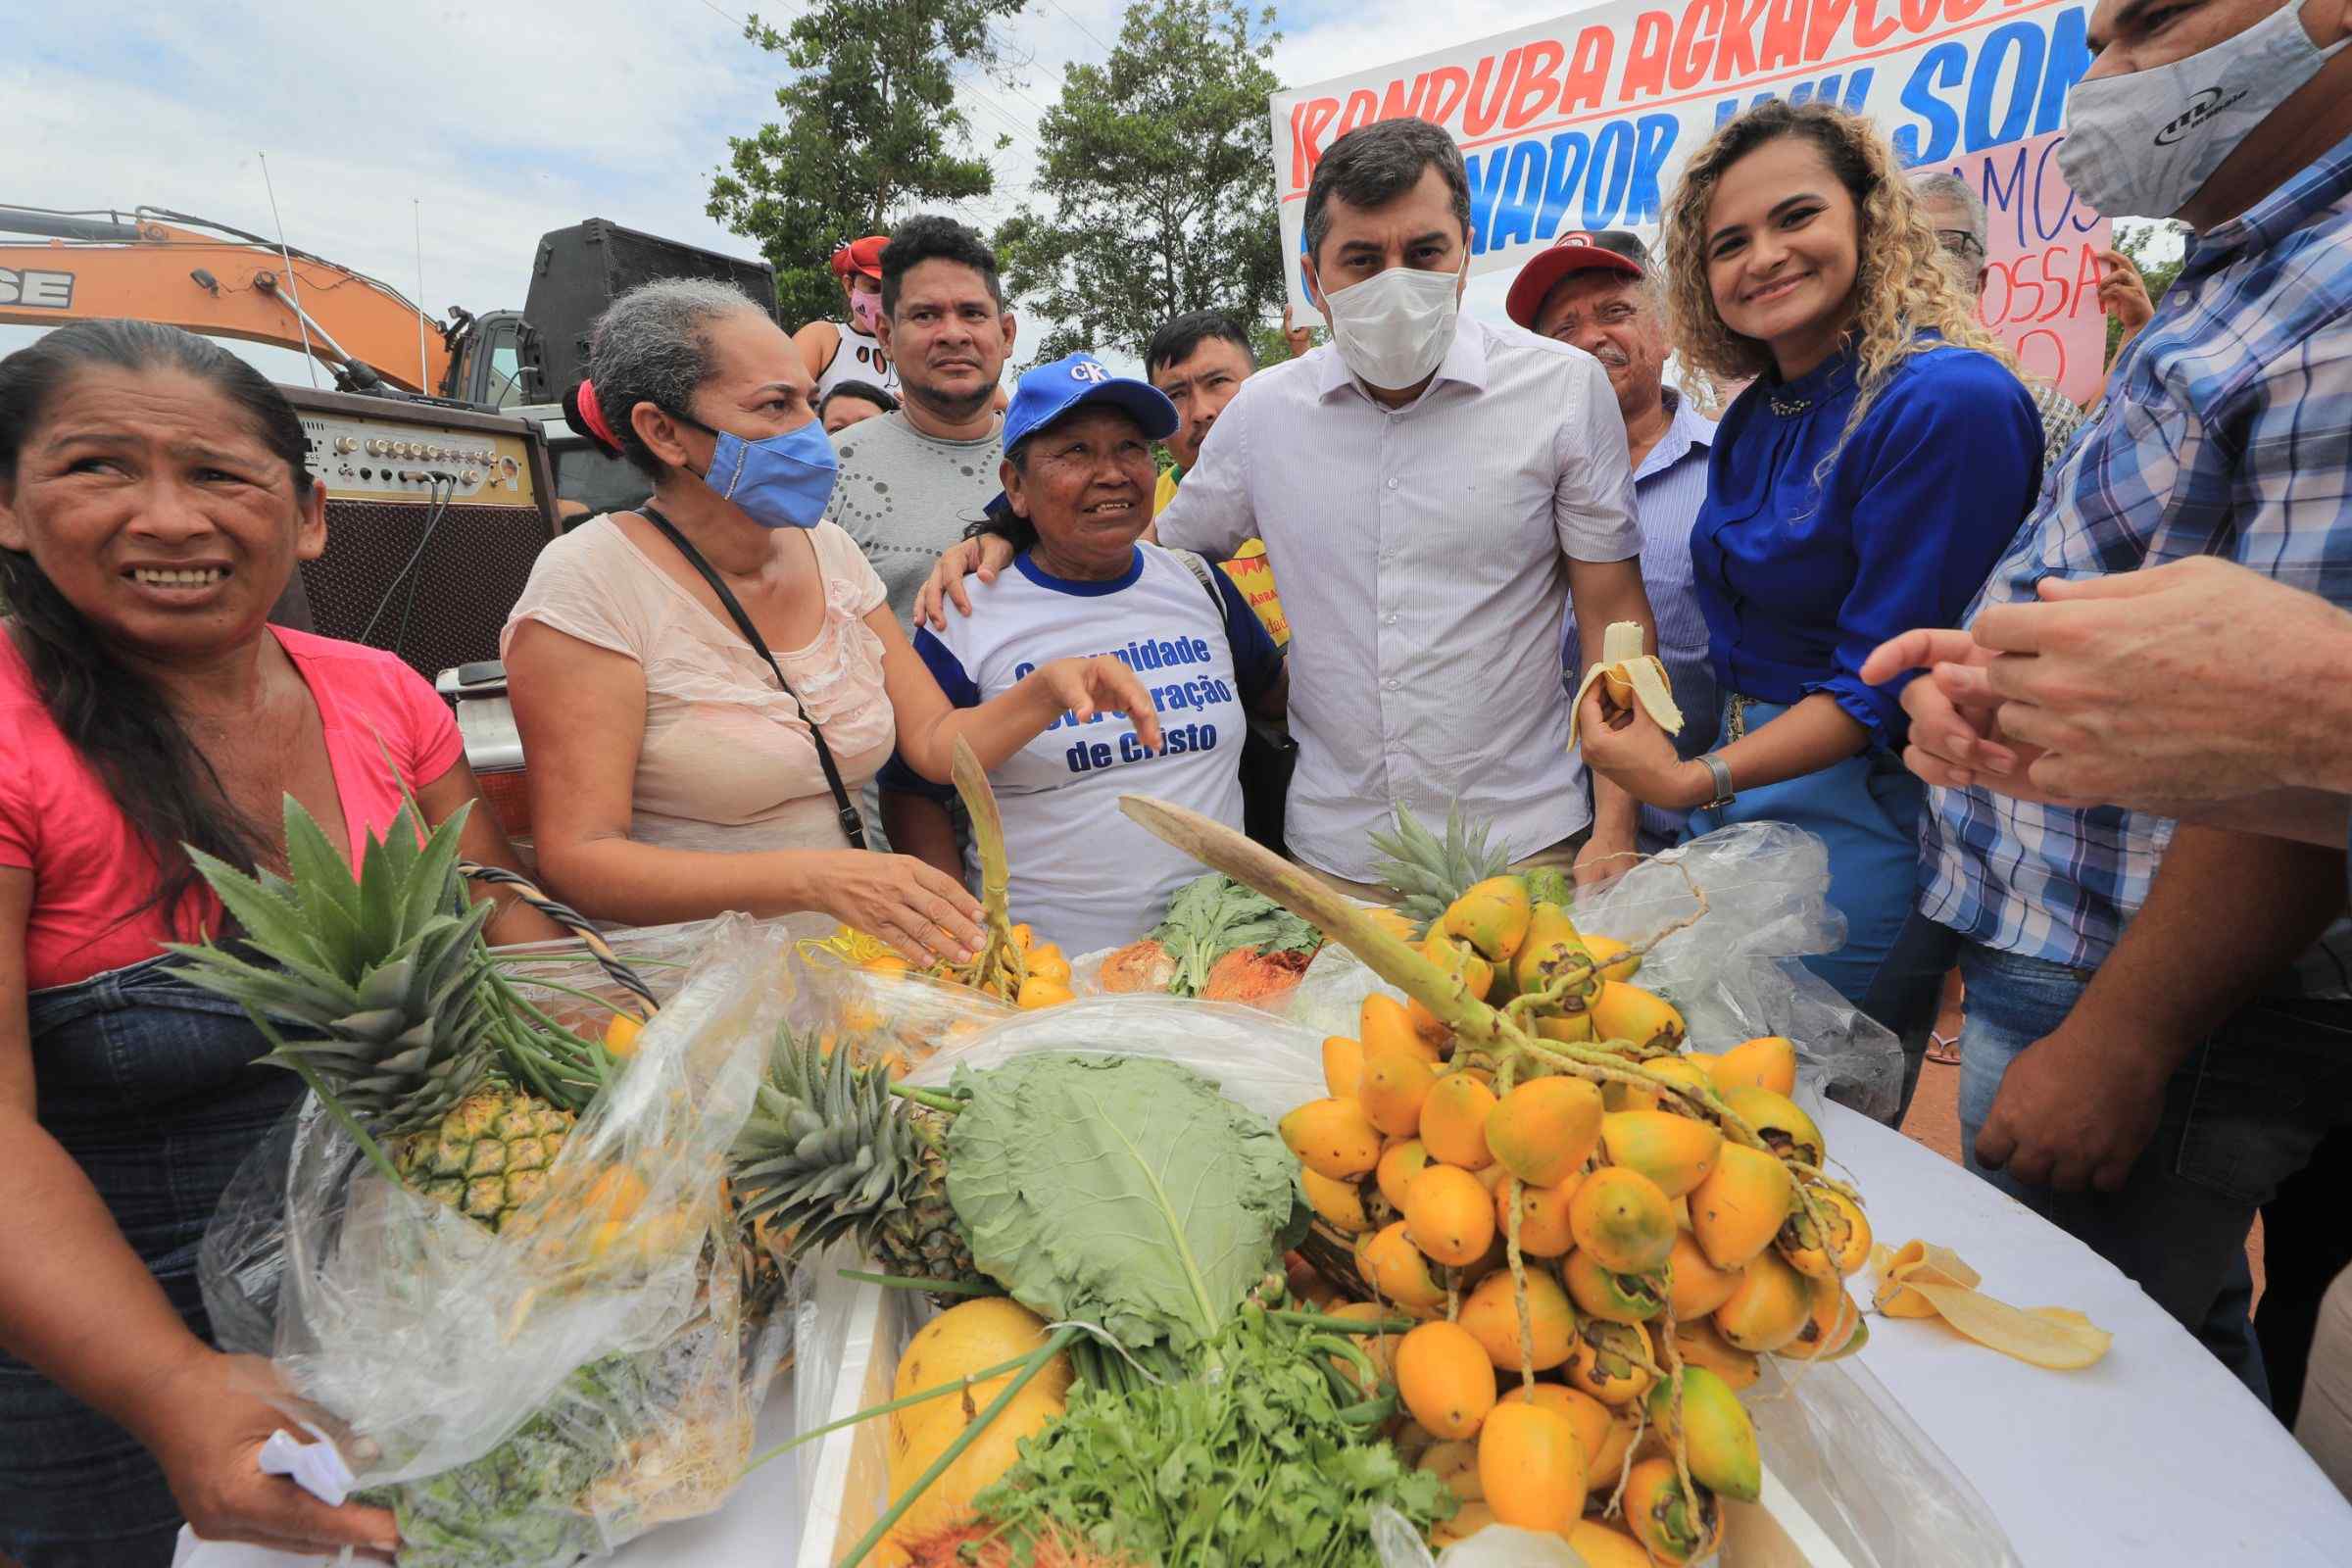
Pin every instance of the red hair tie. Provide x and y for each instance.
(591, 414)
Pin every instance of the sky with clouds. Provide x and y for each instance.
(502, 121)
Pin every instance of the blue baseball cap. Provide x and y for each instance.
(1049, 391)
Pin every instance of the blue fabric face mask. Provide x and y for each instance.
(781, 482)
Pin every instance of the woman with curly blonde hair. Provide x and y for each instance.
(1872, 474)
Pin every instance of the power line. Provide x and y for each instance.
(1027, 133)
(1081, 26)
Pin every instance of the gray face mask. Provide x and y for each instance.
(2142, 145)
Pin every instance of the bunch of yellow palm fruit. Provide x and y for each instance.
(1582, 1212)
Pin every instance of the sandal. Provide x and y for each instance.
(1943, 1049)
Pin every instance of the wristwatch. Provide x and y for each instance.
(1722, 775)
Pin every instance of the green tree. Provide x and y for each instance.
(1161, 182)
(870, 131)
(2158, 250)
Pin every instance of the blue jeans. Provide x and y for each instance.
(150, 1084)
(1865, 808)
(2243, 1113)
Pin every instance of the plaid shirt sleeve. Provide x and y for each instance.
(2227, 430)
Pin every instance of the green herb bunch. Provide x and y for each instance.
(1277, 1462)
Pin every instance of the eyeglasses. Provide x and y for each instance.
(1961, 242)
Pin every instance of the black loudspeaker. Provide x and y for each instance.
(434, 517)
(582, 269)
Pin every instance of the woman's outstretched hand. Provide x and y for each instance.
(1088, 687)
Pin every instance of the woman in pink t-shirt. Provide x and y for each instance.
(153, 506)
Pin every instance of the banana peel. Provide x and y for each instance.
(1921, 1280)
(1001, 963)
(1633, 676)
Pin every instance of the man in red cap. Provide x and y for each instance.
(1593, 290)
(851, 350)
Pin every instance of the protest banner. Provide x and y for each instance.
(1585, 120)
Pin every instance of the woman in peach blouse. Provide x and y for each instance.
(671, 775)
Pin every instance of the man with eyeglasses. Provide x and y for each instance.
(1957, 214)
(1594, 291)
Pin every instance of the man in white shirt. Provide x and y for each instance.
(1440, 491)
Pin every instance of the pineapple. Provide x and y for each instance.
(376, 988)
(1431, 875)
(829, 1153)
(488, 1156)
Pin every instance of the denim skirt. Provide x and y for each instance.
(152, 1086)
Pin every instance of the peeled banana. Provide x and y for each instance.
(1633, 676)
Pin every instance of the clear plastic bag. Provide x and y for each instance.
(1257, 1059)
(1866, 1476)
(886, 1016)
(546, 1391)
(1734, 973)
(566, 980)
(1849, 1482)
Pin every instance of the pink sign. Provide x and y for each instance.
(2041, 278)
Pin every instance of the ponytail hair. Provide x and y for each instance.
(112, 717)
(586, 416)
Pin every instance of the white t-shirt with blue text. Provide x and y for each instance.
(1083, 874)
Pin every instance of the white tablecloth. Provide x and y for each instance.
(2155, 1456)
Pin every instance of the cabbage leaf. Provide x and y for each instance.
(1125, 1192)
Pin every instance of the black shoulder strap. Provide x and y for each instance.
(851, 823)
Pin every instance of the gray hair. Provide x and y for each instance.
(652, 344)
(1952, 191)
(1379, 163)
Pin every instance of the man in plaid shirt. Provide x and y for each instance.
(2161, 1011)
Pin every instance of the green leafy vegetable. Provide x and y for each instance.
(1213, 915)
(1261, 1467)
(524, 1502)
(1124, 1191)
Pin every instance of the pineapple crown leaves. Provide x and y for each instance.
(826, 1151)
(367, 969)
(1430, 874)
(327, 923)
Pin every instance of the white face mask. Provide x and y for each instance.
(1394, 328)
(2142, 145)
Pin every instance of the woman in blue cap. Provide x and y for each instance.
(1078, 480)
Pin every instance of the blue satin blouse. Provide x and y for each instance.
(1799, 579)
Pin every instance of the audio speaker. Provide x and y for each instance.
(434, 517)
(580, 270)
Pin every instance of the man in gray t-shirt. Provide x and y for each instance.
(911, 480)
(906, 494)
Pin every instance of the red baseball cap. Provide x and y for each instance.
(861, 256)
(1580, 250)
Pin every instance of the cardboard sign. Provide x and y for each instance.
(1586, 120)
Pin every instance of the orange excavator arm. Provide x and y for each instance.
(226, 283)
